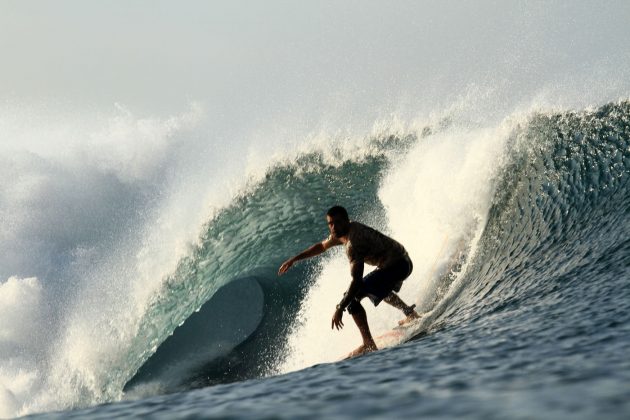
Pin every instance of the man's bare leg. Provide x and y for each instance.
(360, 318)
(397, 303)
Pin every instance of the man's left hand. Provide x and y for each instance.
(336, 320)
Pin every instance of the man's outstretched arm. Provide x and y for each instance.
(313, 251)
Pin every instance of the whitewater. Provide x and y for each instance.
(139, 250)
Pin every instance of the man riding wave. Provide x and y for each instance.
(364, 245)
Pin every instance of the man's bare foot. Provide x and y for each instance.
(362, 349)
(413, 315)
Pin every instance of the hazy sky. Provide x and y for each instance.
(259, 58)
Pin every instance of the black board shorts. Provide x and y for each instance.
(382, 281)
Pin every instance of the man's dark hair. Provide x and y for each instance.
(337, 211)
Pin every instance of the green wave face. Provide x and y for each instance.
(561, 206)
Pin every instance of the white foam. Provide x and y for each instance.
(20, 308)
(22, 342)
(440, 195)
(436, 199)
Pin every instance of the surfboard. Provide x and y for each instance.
(397, 335)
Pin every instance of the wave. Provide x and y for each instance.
(560, 213)
(492, 217)
(221, 324)
(252, 237)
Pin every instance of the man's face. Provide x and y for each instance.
(338, 225)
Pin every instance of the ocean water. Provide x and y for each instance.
(522, 253)
(142, 225)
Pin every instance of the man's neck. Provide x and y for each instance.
(344, 238)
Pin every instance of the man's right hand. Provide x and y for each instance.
(285, 266)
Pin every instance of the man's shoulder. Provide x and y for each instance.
(331, 241)
(361, 228)
(367, 234)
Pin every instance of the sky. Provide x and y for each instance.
(263, 60)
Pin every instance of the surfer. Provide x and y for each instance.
(364, 245)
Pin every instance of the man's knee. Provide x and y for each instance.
(355, 307)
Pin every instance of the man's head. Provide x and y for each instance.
(338, 221)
